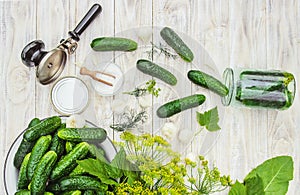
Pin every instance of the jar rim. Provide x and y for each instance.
(228, 80)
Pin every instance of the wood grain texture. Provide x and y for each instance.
(51, 27)
(98, 110)
(247, 42)
(232, 33)
(210, 25)
(174, 14)
(282, 54)
(17, 82)
(130, 15)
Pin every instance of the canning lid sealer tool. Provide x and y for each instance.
(50, 64)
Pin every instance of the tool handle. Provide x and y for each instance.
(86, 20)
(33, 53)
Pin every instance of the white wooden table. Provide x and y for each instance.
(256, 34)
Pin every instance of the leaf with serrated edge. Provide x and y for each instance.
(238, 189)
(209, 119)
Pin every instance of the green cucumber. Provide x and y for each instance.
(68, 162)
(23, 192)
(89, 192)
(38, 151)
(57, 144)
(174, 41)
(34, 122)
(23, 180)
(73, 192)
(113, 44)
(157, 71)
(82, 134)
(25, 147)
(45, 127)
(69, 146)
(176, 106)
(78, 170)
(207, 81)
(77, 183)
(27, 192)
(42, 172)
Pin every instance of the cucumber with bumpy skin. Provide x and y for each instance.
(157, 71)
(82, 134)
(89, 192)
(113, 44)
(38, 151)
(73, 192)
(45, 127)
(174, 41)
(25, 147)
(68, 162)
(69, 146)
(78, 183)
(23, 192)
(23, 180)
(42, 172)
(207, 81)
(176, 106)
(78, 170)
(27, 192)
(57, 144)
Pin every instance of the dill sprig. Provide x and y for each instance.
(148, 88)
(160, 49)
(129, 120)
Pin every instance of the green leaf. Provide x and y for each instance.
(98, 152)
(131, 171)
(117, 164)
(96, 167)
(238, 189)
(255, 186)
(275, 174)
(209, 119)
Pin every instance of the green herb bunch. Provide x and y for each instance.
(146, 164)
(161, 49)
(204, 180)
(129, 120)
(162, 171)
(148, 88)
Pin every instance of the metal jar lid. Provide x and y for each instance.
(70, 95)
(51, 66)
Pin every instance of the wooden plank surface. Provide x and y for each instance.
(232, 33)
(17, 82)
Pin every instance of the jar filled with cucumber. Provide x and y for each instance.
(271, 89)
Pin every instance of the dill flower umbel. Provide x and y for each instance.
(163, 171)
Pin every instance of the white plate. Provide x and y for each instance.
(11, 173)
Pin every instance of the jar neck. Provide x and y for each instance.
(228, 80)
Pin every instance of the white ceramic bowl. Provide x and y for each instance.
(11, 173)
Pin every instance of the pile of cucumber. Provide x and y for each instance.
(47, 155)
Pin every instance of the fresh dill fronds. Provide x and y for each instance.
(148, 88)
(137, 92)
(129, 120)
(160, 49)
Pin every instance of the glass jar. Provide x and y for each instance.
(272, 89)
